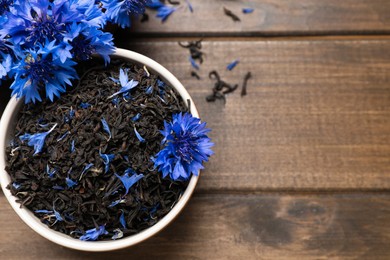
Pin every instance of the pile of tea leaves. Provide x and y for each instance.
(96, 141)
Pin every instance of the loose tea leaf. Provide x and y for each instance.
(79, 184)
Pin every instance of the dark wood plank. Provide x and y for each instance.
(263, 226)
(275, 17)
(317, 113)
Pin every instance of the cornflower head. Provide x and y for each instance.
(82, 41)
(39, 69)
(38, 21)
(185, 147)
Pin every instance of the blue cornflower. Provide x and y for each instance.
(107, 158)
(38, 69)
(93, 234)
(38, 21)
(125, 83)
(232, 65)
(129, 181)
(186, 146)
(120, 11)
(36, 140)
(83, 40)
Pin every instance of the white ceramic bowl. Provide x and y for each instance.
(7, 124)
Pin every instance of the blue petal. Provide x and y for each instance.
(247, 10)
(43, 211)
(232, 65)
(93, 234)
(193, 63)
(85, 105)
(106, 127)
(139, 136)
(37, 140)
(122, 220)
(190, 6)
(107, 158)
(136, 117)
(70, 183)
(129, 181)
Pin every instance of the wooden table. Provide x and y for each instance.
(302, 163)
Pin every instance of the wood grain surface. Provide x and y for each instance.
(240, 226)
(317, 113)
(274, 17)
(302, 163)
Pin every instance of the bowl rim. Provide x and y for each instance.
(93, 246)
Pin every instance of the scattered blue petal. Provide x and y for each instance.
(43, 211)
(58, 187)
(115, 101)
(116, 202)
(190, 6)
(86, 168)
(247, 10)
(186, 146)
(117, 234)
(93, 234)
(125, 83)
(232, 65)
(106, 128)
(140, 138)
(57, 215)
(129, 181)
(36, 140)
(107, 158)
(85, 105)
(149, 90)
(122, 220)
(193, 63)
(136, 117)
(72, 146)
(16, 185)
(49, 172)
(70, 183)
(63, 136)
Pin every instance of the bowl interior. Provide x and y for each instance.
(7, 125)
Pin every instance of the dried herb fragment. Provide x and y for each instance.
(229, 13)
(244, 85)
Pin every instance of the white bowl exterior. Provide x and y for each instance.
(6, 126)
